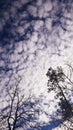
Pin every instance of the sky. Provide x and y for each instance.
(34, 35)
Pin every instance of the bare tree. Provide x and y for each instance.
(20, 111)
(61, 83)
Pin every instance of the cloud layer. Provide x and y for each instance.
(33, 36)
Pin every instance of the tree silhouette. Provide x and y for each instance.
(20, 111)
(56, 83)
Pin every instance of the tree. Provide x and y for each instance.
(20, 111)
(60, 83)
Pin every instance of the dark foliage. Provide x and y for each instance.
(56, 81)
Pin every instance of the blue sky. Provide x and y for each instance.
(34, 35)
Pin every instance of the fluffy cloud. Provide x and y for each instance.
(34, 36)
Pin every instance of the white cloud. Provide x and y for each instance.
(41, 11)
(32, 10)
(20, 30)
(35, 60)
(39, 2)
(38, 24)
(34, 37)
(47, 6)
(48, 24)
